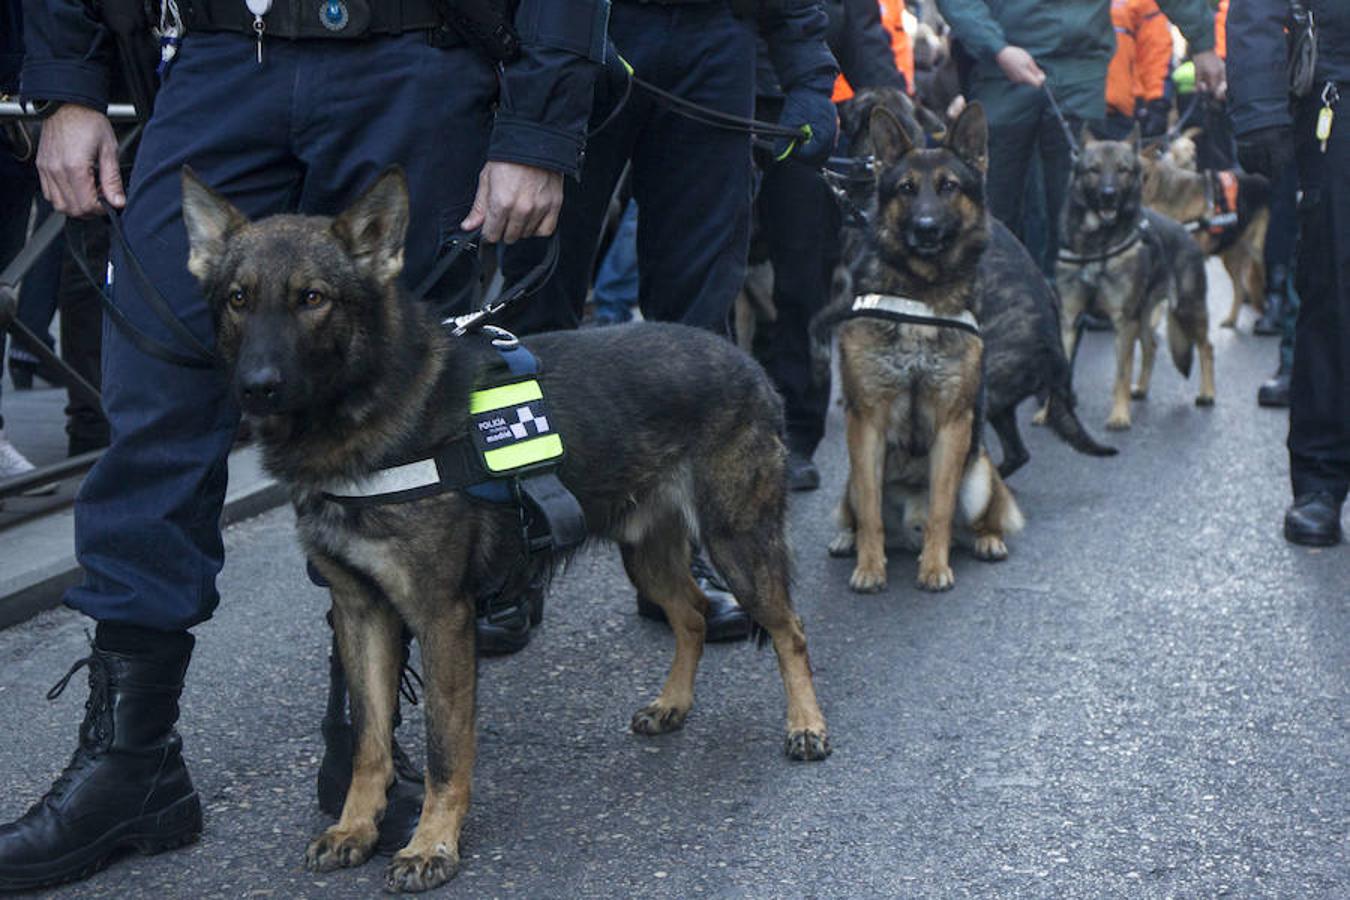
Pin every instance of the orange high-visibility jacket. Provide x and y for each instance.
(1143, 54)
(1221, 30)
(892, 19)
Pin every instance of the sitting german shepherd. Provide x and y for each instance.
(1131, 264)
(675, 435)
(912, 391)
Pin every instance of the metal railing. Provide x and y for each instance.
(43, 236)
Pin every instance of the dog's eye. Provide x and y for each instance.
(236, 299)
(312, 299)
(908, 188)
(948, 186)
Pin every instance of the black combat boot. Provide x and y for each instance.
(1272, 319)
(1274, 391)
(126, 786)
(339, 750)
(1314, 520)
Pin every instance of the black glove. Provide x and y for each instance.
(815, 110)
(1266, 151)
(1153, 117)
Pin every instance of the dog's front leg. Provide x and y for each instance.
(946, 465)
(1127, 332)
(446, 636)
(369, 641)
(866, 460)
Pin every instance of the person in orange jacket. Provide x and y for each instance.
(892, 19)
(1137, 75)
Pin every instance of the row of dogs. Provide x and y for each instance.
(675, 438)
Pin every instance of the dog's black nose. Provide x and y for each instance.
(926, 230)
(1108, 192)
(260, 389)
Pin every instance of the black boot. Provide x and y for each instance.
(404, 797)
(504, 622)
(126, 786)
(726, 621)
(1314, 520)
(1274, 391)
(1272, 320)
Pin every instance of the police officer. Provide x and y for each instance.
(692, 181)
(280, 105)
(800, 222)
(1269, 128)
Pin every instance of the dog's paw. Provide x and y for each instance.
(867, 581)
(410, 871)
(807, 746)
(657, 718)
(844, 544)
(341, 849)
(1118, 422)
(990, 548)
(1204, 400)
(936, 578)
(1138, 393)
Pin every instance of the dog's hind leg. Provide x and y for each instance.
(1015, 453)
(755, 565)
(1206, 395)
(1000, 516)
(369, 640)
(445, 630)
(658, 566)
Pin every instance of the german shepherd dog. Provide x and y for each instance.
(676, 435)
(1189, 196)
(912, 391)
(1131, 265)
(1016, 306)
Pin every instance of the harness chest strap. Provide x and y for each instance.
(909, 311)
(1136, 235)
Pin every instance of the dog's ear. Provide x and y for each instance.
(1135, 137)
(1192, 133)
(1085, 136)
(373, 228)
(890, 140)
(968, 137)
(209, 219)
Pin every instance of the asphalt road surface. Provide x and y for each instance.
(1148, 699)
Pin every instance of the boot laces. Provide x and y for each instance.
(94, 731)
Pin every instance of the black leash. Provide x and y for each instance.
(1074, 149)
(195, 354)
(526, 286)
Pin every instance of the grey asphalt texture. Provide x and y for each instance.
(1148, 699)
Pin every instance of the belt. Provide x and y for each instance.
(296, 19)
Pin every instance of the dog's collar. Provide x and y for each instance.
(1135, 236)
(910, 312)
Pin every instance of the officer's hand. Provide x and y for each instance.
(515, 201)
(1266, 151)
(77, 142)
(1210, 75)
(1018, 66)
(815, 110)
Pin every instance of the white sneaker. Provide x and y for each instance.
(13, 464)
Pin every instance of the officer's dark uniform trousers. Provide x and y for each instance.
(305, 131)
(691, 181)
(1319, 410)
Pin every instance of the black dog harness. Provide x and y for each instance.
(510, 456)
(1135, 236)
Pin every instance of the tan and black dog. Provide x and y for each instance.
(1227, 213)
(1131, 265)
(670, 433)
(912, 391)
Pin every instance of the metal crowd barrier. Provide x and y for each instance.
(48, 231)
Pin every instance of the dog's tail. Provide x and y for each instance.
(821, 330)
(1179, 344)
(1063, 421)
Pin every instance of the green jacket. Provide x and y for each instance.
(1071, 40)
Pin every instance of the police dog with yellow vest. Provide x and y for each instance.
(668, 434)
(910, 361)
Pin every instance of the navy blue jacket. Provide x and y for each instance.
(71, 58)
(1258, 80)
(861, 44)
(793, 54)
(11, 45)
